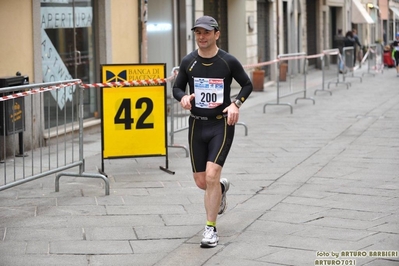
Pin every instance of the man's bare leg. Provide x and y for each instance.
(210, 182)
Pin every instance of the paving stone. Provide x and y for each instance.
(154, 246)
(193, 218)
(36, 234)
(126, 259)
(271, 227)
(48, 260)
(163, 232)
(354, 214)
(109, 233)
(37, 247)
(290, 257)
(299, 208)
(346, 223)
(10, 215)
(190, 255)
(12, 248)
(334, 233)
(145, 209)
(90, 247)
(72, 210)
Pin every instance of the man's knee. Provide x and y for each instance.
(212, 177)
(201, 184)
(200, 180)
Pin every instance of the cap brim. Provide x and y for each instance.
(205, 26)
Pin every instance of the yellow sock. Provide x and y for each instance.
(213, 224)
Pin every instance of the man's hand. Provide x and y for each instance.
(186, 101)
(232, 114)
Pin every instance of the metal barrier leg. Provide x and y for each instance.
(353, 76)
(368, 69)
(305, 98)
(323, 90)
(348, 84)
(338, 82)
(264, 106)
(368, 73)
(181, 147)
(172, 111)
(103, 177)
(323, 63)
(245, 126)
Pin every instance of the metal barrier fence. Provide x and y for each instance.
(374, 57)
(349, 64)
(294, 68)
(178, 117)
(331, 72)
(64, 151)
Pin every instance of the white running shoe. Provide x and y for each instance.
(211, 238)
(223, 202)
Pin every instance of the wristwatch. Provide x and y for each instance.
(238, 103)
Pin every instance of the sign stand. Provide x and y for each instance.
(134, 120)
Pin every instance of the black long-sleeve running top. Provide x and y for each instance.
(210, 79)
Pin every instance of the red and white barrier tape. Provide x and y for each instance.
(36, 91)
(314, 56)
(281, 59)
(262, 64)
(127, 83)
(86, 86)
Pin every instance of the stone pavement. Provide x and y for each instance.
(316, 187)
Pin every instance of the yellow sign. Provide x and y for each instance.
(134, 118)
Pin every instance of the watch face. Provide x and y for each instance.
(238, 103)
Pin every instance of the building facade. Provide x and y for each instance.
(51, 40)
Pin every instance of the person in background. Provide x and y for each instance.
(339, 43)
(356, 43)
(348, 42)
(395, 53)
(209, 72)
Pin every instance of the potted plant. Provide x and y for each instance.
(258, 79)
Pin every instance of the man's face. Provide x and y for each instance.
(206, 38)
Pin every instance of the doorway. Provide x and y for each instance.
(67, 45)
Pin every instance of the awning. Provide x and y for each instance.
(395, 11)
(359, 13)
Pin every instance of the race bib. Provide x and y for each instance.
(396, 48)
(209, 92)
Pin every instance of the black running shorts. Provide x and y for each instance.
(210, 141)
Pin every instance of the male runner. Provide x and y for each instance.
(209, 72)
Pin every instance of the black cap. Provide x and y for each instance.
(206, 22)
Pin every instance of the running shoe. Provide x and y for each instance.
(223, 202)
(211, 238)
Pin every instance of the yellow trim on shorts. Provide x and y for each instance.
(224, 140)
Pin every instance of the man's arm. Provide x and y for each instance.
(180, 84)
(242, 78)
